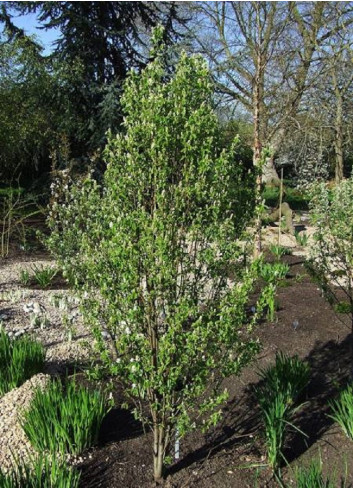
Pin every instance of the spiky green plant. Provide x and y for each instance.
(20, 359)
(44, 275)
(277, 395)
(312, 476)
(64, 419)
(342, 409)
(40, 471)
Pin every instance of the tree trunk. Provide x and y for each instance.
(269, 173)
(257, 103)
(339, 139)
(158, 452)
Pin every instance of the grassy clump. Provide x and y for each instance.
(277, 395)
(64, 419)
(312, 476)
(40, 472)
(44, 276)
(20, 359)
(342, 409)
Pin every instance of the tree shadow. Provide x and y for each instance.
(330, 365)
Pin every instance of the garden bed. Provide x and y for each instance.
(233, 454)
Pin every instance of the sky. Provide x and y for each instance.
(29, 23)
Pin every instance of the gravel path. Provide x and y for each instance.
(51, 316)
(13, 441)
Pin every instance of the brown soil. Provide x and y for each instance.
(233, 455)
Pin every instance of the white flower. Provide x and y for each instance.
(127, 330)
(133, 369)
(133, 386)
(110, 224)
(118, 360)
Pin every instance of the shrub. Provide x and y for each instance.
(64, 419)
(150, 251)
(342, 409)
(40, 471)
(44, 275)
(332, 254)
(281, 387)
(20, 359)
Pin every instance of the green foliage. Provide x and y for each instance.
(278, 251)
(150, 250)
(343, 307)
(277, 395)
(25, 277)
(296, 199)
(331, 261)
(312, 476)
(271, 272)
(342, 409)
(20, 359)
(64, 419)
(301, 239)
(44, 275)
(40, 471)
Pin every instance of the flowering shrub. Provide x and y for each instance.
(332, 254)
(150, 250)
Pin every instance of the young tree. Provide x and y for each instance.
(152, 249)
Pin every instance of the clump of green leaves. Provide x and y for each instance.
(278, 251)
(43, 275)
(312, 476)
(342, 409)
(150, 251)
(301, 238)
(20, 359)
(25, 277)
(271, 272)
(64, 418)
(277, 396)
(40, 471)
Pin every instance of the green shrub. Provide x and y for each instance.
(40, 472)
(342, 409)
(281, 387)
(44, 275)
(64, 419)
(20, 359)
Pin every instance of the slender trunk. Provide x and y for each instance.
(158, 452)
(339, 140)
(257, 102)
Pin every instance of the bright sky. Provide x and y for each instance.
(29, 24)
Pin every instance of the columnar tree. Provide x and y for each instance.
(152, 249)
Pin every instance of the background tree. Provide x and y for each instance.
(103, 40)
(264, 57)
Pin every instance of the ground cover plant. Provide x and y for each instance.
(156, 241)
(20, 359)
(64, 418)
(40, 471)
